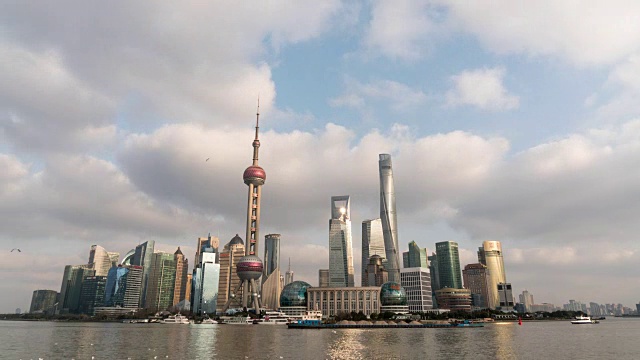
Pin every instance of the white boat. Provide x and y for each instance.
(175, 319)
(236, 320)
(208, 321)
(584, 320)
(273, 318)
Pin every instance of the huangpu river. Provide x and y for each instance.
(614, 338)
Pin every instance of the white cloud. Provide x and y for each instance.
(482, 88)
(400, 97)
(400, 29)
(593, 33)
(69, 70)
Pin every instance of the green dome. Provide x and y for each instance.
(294, 294)
(392, 294)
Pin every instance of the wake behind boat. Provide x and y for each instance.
(580, 320)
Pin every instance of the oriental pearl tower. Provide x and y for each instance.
(249, 267)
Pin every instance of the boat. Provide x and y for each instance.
(236, 320)
(208, 321)
(175, 319)
(579, 320)
(273, 318)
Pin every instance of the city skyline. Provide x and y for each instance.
(519, 131)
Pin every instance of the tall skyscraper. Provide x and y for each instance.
(271, 285)
(124, 284)
(323, 278)
(229, 280)
(69, 301)
(43, 301)
(435, 277)
(372, 244)
(288, 276)
(101, 260)
(341, 271)
(203, 242)
(388, 217)
(250, 267)
(490, 254)
(526, 299)
(375, 274)
(271, 254)
(92, 294)
(476, 279)
(415, 257)
(182, 271)
(162, 282)
(143, 256)
(206, 277)
(448, 265)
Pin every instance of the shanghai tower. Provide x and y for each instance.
(388, 217)
(249, 267)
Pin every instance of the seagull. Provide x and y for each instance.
(12, 250)
(207, 159)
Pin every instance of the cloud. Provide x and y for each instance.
(597, 33)
(400, 97)
(401, 29)
(482, 88)
(71, 73)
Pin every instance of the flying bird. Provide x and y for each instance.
(207, 159)
(12, 250)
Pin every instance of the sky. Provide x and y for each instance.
(509, 121)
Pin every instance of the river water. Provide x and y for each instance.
(614, 338)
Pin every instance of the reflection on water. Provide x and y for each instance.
(538, 340)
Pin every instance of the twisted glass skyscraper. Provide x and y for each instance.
(388, 217)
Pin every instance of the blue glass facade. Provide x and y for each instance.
(205, 281)
(294, 294)
(116, 286)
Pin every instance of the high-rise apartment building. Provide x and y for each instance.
(341, 272)
(415, 257)
(162, 282)
(448, 265)
(323, 278)
(182, 271)
(229, 280)
(43, 301)
(388, 217)
(271, 285)
(375, 274)
(143, 256)
(476, 279)
(372, 244)
(124, 284)
(417, 283)
(206, 283)
(490, 255)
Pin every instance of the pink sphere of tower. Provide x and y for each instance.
(249, 267)
(255, 175)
